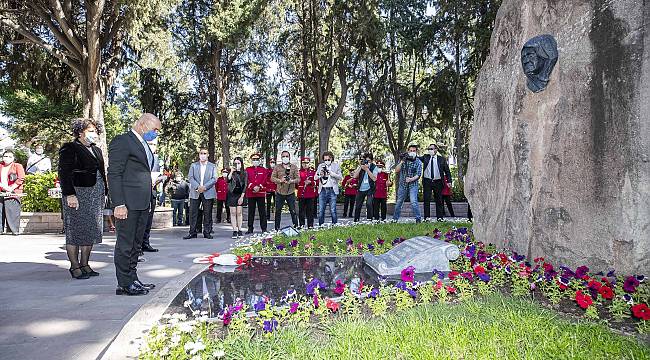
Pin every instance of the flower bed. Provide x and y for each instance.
(621, 301)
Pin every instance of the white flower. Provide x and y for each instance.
(187, 304)
(194, 347)
(164, 351)
(185, 327)
(219, 353)
(175, 339)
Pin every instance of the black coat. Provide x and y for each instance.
(78, 167)
(443, 166)
(129, 173)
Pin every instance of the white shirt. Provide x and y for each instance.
(203, 166)
(433, 164)
(38, 164)
(147, 150)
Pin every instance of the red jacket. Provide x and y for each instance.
(222, 188)
(350, 185)
(381, 188)
(270, 185)
(446, 190)
(307, 191)
(257, 176)
(16, 175)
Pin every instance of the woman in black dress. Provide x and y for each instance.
(235, 199)
(83, 188)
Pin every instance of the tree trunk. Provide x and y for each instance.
(457, 111)
(223, 125)
(211, 134)
(93, 99)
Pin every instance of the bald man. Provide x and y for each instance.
(130, 161)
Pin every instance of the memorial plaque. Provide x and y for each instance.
(422, 252)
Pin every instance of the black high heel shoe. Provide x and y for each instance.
(89, 272)
(81, 276)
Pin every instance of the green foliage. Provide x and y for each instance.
(36, 198)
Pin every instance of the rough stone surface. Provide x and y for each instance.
(565, 173)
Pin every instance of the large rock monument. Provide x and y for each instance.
(564, 172)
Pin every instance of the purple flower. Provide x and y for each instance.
(582, 272)
(628, 299)
(630, 284)
(259, 306)
(610, 273)
(462, 230)
(401, 285)
(467, 275)
(516, 257)
(349, 241)
(566, 272)
(564, 281)
(380, 241)
(293, 243)
(315, 299)
(315, 283)
(371, 247)
(373, 293)
(408, 274)
(640, 278)
(395, 241)
(440, 274)
(482, 256)
(507, 269)
(264, 242)
(412, 292)
(293, 307)
(270, 325)
(470, 251)
(484, 277)
(312, 238)
(279, 246)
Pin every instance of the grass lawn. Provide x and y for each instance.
(335, 237)
(493, 327)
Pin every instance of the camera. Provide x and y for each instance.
(326, 173)
(403, 156)
(286, 174)
(364, 162)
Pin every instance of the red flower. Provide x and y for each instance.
(593, 284)
(451, 290)
(548, 267)
(503, 258)
(438, 285)
(340, 287)
(641, 311)
(332, 305)
(583, 300)
(606, 292)
(239, 260)
(479, 270)
(452, 275)
(408, 274)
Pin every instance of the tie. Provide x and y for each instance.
(147, 150)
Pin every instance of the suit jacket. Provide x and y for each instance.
(78, 167)
(129, 173)
(335, 174)
(443, 166)
(209, 180)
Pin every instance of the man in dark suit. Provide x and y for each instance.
(146, 244)
(130, 161)
(435, 168)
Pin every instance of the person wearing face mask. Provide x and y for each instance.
(203, 178)
(236, 198)
(328, 174)
(222, 196)
(366, 174)
(286, 176)
(306, 193)
(409, 169)
(130, 161)
(83, 188)
(350, 192)
(270, 189)
(381, 192)
(434, 173)
(38, 162)
(179, 191)
(256, 193)
(12, 176)
(146, 244)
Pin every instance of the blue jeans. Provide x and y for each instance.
(326, 196)
(412, 192)
(177, 213)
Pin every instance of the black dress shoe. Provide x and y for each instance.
(148, 248)
(87, 270)
(249, 232)
(144, 286)
(131, 290)
(189, 237)
(207, 236)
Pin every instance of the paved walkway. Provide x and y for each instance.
(45, 314)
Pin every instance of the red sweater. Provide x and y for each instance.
(17, 172)
(257, 176)
(381, 189)
(222, 188)
(270, 185)
(350, 185)
(307, 191)
(446, 190)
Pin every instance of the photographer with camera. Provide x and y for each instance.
(381, 192)
(307, 193)
(366, 174)
(329, 175)
(286, 176)
(410, 170)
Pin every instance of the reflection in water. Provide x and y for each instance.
(269, 278)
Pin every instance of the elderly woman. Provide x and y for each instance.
(12, 176)
(83, 188)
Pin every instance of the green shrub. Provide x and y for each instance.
(36, 198)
